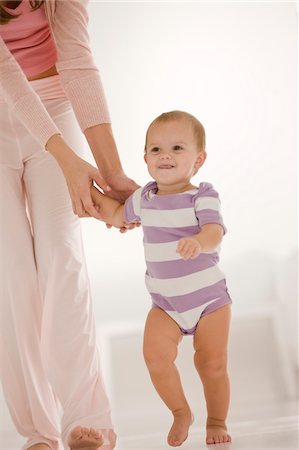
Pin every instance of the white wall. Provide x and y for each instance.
(233, 65)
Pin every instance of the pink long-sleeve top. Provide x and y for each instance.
(28, 37)
(78, 74)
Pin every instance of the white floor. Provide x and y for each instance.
(267, 427)
(253, 436)
(267, 431)
(274, 434)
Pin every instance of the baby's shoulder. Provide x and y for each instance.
(151, 186)
(206, 189)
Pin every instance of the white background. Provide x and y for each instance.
(232, 65)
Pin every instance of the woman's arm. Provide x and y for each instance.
(22, 100)
(78, 72)
(27, 106)
(82, 83)
(101, 141)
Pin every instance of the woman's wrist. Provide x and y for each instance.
(102, 144)
(60, 150)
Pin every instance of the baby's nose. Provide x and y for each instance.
(165, 155)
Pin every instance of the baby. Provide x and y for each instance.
(183, 229)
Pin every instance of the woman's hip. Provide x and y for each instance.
(17, 145)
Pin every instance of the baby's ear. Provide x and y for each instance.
(145, 157)
(201, 157)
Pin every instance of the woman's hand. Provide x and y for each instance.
(121, 186)
(79, 176)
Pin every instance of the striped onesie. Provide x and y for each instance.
(185, 289)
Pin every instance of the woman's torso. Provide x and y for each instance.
(29, 39)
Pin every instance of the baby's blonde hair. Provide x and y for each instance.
(198, 129)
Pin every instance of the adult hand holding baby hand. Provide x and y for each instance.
(121, 188)
(79, 176)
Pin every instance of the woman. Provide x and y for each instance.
(48, 353)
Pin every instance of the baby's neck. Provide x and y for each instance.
(174, 189)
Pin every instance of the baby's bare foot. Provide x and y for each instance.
(217, 431)
(85, 439)
(217, 435)
(179, 431)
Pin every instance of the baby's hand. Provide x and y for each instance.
(129, 226)
(188, 248)
(126, 226)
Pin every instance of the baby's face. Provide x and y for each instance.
(172, 155)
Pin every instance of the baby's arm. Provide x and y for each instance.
(205, 241)
(111, 210)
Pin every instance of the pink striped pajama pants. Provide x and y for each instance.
(47, 330)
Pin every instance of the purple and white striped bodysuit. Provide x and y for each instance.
(186, 290)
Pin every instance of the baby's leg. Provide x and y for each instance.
(210, 344)
(161, 338)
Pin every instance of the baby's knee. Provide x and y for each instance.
(155, 362)
(213, 368)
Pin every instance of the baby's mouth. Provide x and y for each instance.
(165, 166)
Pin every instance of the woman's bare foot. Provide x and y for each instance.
(217, 435)
(39, 447)
(179, 431)
(85, 439)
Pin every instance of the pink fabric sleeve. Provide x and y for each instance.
(79, 75)
(22, 99)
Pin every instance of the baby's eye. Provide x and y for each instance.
(155, 150)
(177, 147)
